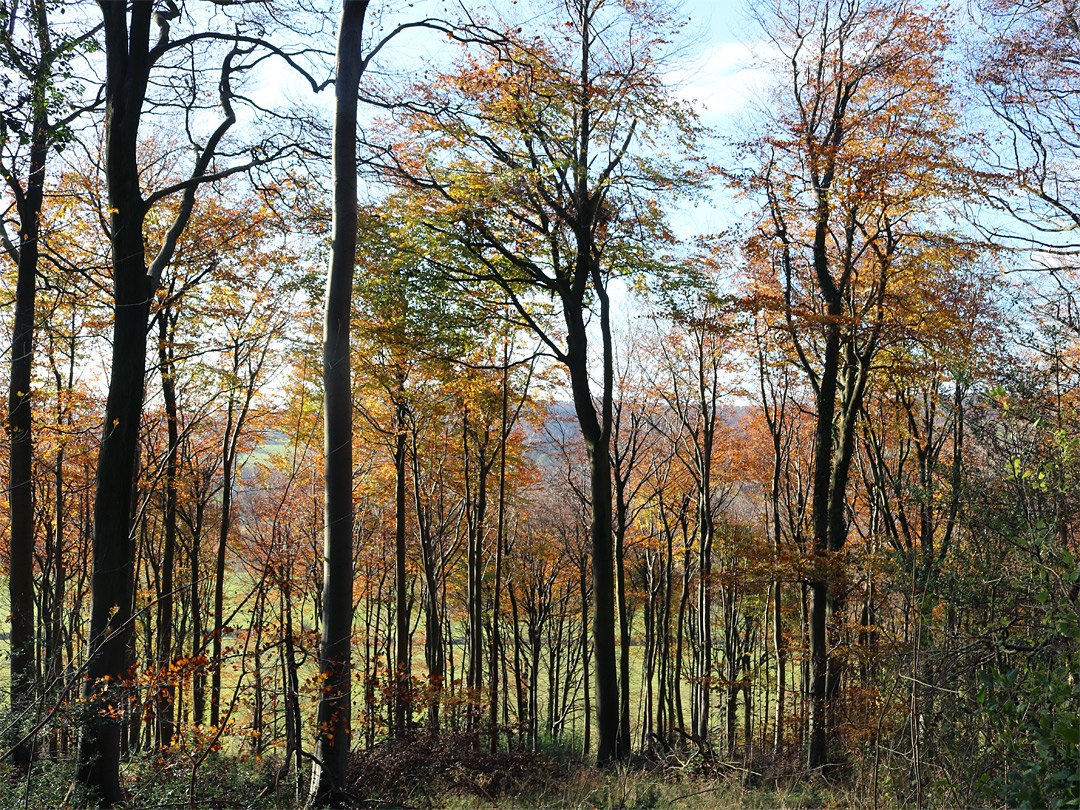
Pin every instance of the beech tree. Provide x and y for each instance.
(532, 157)
(694, 358)
(1025, 63)
(36, 63)
(334, 714)
(131, 55)
(335, 702)
(863, 146)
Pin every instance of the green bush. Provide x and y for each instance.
(1033, 710)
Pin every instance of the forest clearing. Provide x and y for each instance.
(540, 403)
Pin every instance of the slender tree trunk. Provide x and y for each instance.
(624, 743)
(334, 720)
(680, 634)
(665, 717)
(258, 619)
(777, 604)
(645, 709)
(227, 460)
(519, 681)
(294, 753)
(554, 665)
(165, 687)
(493, 664)
(56, 618)
(402, 664)
(704, 618)
(107, 667)
(817, 752)
(534, 683)
(781, 668)
(198, 643)
(20, 412)
(584, 586)
(476, 509)
(434, 652)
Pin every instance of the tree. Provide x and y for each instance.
(694, 358)
(532, 160)
(777, 392)
(335, 702)
(35, 67)
(334, 735)
(864, 148)
(1026, 66)
(633, 436)
(137, 270)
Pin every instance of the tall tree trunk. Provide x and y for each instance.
(55, 648)
(475, 511)
(228, 458)
(258, 698)
(621, 508)
(646, 711)
(584, 586)
(781, 667)
(607, 678)
(128, 60)
(817, 752)
(665, 697)
(113, 570)
(493, 661)
(704, 619)
(519, 680)
(198, 643)
(165, 692)
(402, 663)
(333, 727)
(680, 637)
(434, 650)
(20, 412)
(294, 749)
(777, 598)
(596, 431)
(107, 668)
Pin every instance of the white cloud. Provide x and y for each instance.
(724, 80)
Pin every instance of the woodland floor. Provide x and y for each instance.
(448, 773)
(445, 774)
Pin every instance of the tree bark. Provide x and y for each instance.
(493, 665)
(198, 643)
(402, 662)
(165, 688)
(228, 457)
(128, 61)
(333, 728)
(20, 412)
(127, 70)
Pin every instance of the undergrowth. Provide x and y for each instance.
(456, 772)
